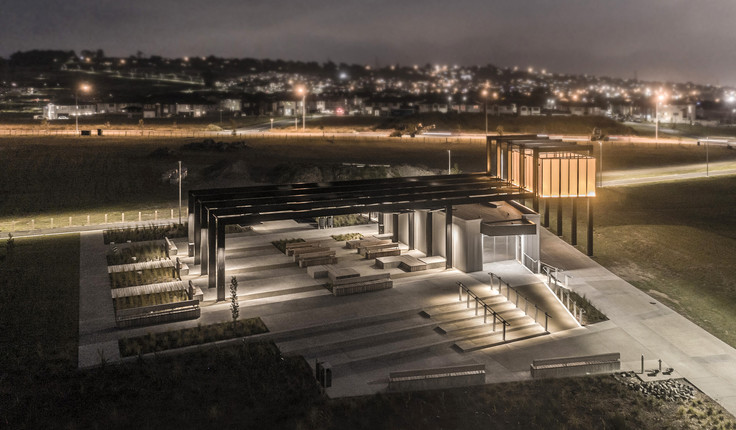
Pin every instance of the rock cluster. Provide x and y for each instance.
(670, 390)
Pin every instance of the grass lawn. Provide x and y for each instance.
(39, 303)
(675, 241)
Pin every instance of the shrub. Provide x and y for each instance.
(281, 244)
(150, 232)
(152, 342)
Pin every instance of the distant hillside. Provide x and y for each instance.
(468, 122)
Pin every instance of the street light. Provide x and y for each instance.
(85, 88)
(660, 98)
(485, 108)
(303, 92)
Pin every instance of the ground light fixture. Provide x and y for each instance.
(85, 88)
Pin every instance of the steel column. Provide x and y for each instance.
(574, 222)
(220, 272)
(448, 237)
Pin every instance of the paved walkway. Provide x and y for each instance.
(96, 315)
(639, 324)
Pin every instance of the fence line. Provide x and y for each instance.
(202, 133)
(93, 218)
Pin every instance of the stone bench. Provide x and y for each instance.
(157, 314)
(382, 253)
(433, 262)
(337, 273)
(171, 248)
(361, 284)
(317, 272)
(298, 253)
(391, 262)
(368, 243)
(317, 261)
(574, 366)
(378, 247)
(290, 247)
(411, 264)
(438, 378)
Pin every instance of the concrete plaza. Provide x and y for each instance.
(420, 321)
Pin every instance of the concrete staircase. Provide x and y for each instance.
(469, 332)
(383, 337)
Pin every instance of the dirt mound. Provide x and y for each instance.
(303, 172)
(227, 169)
(211, 145)
(164, 153)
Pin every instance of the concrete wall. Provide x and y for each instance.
(404, 228)
(530, 243)
(420, 230)
(467, 245)
(438, 234)
(467, 250)
(388, 222)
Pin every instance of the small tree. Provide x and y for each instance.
(9, 246)
(234, 306)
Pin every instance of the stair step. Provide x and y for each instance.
(286, 335)
(477, 323)
(465, 314)
(388, 351)
(283, 292)
(446, 308)
(494, 340)
(311, 347)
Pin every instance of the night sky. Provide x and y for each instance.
(656, 39)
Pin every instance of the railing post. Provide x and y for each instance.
(485, 313)
(476, 306)
(494, 321)
(460, 293)
(504, 332)
(546, 320)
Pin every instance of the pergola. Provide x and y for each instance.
(212, 210)
(551, 169)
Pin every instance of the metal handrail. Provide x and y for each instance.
(516, 303)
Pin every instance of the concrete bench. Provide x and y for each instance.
(391, 262)
(290, 247)
(317, 261)
(317, 272)
(171, 248)
(382, 253)
(362, 286)
(337, 273)
(411, 264)
(353, 244)
(574, 366)
(368, 243)
(379, 247)
(296, 253)
(433, 262)
(184, 269)
(438, 378)
(355, 279)
(157, 314)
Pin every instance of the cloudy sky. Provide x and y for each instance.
(656, 39)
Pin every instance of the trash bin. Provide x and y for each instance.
(86, 133)
(99, 132)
